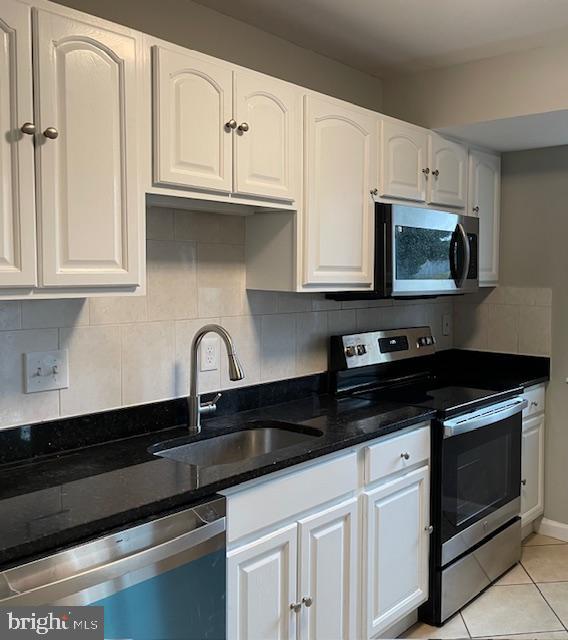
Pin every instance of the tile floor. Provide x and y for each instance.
(529, 602)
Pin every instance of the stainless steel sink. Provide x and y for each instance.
(256, 439)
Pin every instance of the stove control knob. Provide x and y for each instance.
(361, 349)
(350, 351)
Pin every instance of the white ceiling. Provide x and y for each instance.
(385, 37)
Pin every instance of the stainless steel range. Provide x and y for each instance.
(476, 457)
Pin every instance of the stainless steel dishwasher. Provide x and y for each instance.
(161, 580)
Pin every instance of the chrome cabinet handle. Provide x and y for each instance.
(534, 403)
(374, 192)
(429, 529)
(405, 455)
(232, 124)
(426, 171)
(28, 128)
(243, 127)
(307, 601)
(475, 209)
(524, 482)
(435, 173)
(51, 133)
(296, 607)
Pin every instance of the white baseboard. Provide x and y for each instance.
(554, 529)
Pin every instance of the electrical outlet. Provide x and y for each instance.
(209, 354)
(447, 324)
(46, 370)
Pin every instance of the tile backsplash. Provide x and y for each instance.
(125, 351)
(505, 319)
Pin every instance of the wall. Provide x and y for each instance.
(533, 81)
(125, 351)
(196, 27)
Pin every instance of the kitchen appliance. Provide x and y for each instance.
(143, 576)
(421, 252)
(475, 464)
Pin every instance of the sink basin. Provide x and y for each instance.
(256, 439)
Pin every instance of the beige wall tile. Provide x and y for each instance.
(209, 227)
(503, 328)
(470, 326)
(185, 331)
(10, 316)
(311, 342)
(220, 280)
(148, 362)
(321, 303)
(43, 314)
(94, 369)
(278, 351)
(246, 334)
(259, 303)
(344, 321)
(159, 224)
(294, 302)
(369, 319)
(543, 297)
(16, 407)
(118, 310)
(535, 330)
(366, 304)
(172, 280)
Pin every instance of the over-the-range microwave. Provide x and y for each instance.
(421, 252)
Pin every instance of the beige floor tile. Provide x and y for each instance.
(517, 575)
(510, 610)
(537, 539)
(546, 563)
(453, 629)
(548, 635)
(556, 594)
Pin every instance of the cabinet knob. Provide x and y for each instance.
(475, 209)
(534, 403)
(232, 124)
(405, 456)
(374, 192)
(244, 127)
(429, 529)
(524, 482)
(51, 133)
(28, 128)
(426, 171)
(436, 173)
(296, 607)
(307, 601)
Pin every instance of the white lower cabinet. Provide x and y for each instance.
(350, 564)
(395, 553)
(532, 456)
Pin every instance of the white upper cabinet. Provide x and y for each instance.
(339, 173)
(89, 191)
(267, 138)
(404, 161)
(17, 207)
(192, 111)
(484, 202)
(448, 172)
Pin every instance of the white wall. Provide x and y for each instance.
(125, 351)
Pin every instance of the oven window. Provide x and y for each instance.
(422, 254)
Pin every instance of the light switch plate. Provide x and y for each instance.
(209, 354)
(46, 370)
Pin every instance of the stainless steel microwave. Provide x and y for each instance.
(421, 252)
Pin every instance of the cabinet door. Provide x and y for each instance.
(448, 172)
(192, 106)
(395, 557)
(328, 573)
(340, 171)
(267, 154)
(404, 161)
(17, 205)
(484, 201)
(91, 210)
(532, 473)
(261, 585)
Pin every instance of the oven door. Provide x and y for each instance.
(481, 475)
(433, 252)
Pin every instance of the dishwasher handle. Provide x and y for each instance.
(43, 582)
(477, 420)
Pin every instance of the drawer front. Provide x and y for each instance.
(535, 396)
(396, 453)
(277, 500)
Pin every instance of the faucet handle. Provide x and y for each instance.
(211, 405)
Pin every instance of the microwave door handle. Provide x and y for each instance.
(454, 258)
(466, 254)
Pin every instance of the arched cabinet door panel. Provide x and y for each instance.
(267, 141)
(192, 106)
(448, 165)
(17, 202)
(340, 172)
(90, 206)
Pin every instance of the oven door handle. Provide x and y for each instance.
(457, 426)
